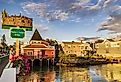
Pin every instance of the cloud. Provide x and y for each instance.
(113, 22)
(41, 27)
(64, 9)
(87, 38)
(55, 9)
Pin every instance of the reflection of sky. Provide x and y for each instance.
(95, 76)
(64, 19)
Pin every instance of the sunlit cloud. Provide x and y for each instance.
(41, 27)
(73, 10)
(113, 22)
(59, 9)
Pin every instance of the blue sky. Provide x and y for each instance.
(67, 19)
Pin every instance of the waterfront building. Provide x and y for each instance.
(108, 48)
(38, 47)
(75, 48)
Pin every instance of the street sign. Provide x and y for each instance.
(17, 33)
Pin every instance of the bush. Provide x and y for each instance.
(22, 63)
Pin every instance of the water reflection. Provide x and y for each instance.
(100, 73)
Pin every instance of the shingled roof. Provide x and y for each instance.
(36, 36)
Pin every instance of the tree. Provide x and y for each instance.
(3, 41)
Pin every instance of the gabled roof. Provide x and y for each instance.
(36, 36)
(72, 42)
(111, 40)
(99, 41)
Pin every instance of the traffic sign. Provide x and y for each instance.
(17, 33)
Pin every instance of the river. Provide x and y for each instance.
(97, 73)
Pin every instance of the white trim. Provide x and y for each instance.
(40, 48)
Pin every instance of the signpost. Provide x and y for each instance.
(20, 24)
(17, 33)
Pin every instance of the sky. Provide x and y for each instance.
(66, 20)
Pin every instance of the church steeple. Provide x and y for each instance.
(36, 36)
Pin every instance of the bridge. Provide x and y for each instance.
(40, 59)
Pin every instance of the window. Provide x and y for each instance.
(117, 43)
(82, 47)
(23, 21)
(30, 53)
(106, 45)
(97, 46)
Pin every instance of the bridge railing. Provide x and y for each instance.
(40, 57)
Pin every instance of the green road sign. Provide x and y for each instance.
(17, 33)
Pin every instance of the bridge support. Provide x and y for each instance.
(40, 62)
(53, 61)
(32, 64)
(48, 62)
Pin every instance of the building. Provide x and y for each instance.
(85, 49)
(38, 47)
(108, 48)
(76, 48)
(1, 48)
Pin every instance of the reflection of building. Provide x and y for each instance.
(38, 47)
(75, 75)
(77, 48)
(48, 76)
(109, 72)
(108, 47)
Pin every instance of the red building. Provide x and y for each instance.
(39, 48)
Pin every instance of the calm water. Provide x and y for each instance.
(99, 73)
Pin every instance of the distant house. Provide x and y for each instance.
(108, 48)
(38, 47)
(76, 48)
(72, 48)
(85, 48)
